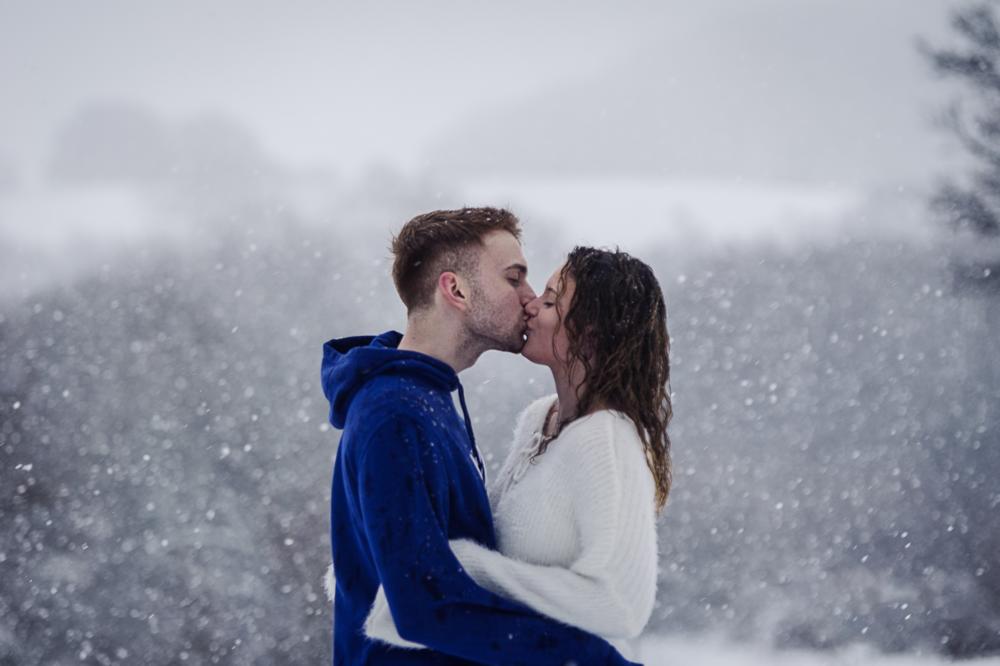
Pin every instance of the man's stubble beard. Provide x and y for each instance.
(485, 329)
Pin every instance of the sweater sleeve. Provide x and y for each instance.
(404, 497)
(609, 589)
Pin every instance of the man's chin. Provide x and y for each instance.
(512, 344)
(517, 347)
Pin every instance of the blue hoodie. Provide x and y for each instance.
(407, 478)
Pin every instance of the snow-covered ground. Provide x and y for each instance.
(662, 651)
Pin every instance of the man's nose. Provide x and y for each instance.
(527, 295)
(531, 307)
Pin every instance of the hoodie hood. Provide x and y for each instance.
(349, 363)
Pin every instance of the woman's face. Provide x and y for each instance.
(544, 326)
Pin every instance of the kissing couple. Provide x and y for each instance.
(554, 561)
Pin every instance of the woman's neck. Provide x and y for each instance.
(568, 390)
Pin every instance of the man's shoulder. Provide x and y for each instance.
(388, 402)
(401, 383)
(395, 397)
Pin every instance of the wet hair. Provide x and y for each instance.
(442, 240)
(616, 326)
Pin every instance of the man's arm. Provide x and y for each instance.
(404, 492)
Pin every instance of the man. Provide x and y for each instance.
(408, 476)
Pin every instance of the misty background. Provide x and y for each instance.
(193, 198)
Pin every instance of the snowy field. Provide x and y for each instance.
(656, 651)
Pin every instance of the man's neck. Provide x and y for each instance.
(446, 346)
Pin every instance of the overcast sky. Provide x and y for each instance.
(351, 84)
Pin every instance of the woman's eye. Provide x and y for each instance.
(547, 305)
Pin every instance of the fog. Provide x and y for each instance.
(194, 198)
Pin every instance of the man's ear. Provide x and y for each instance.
(453, 289)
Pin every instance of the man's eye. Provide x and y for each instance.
(514, 281)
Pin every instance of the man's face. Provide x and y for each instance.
(499, 294)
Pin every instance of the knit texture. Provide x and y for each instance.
(576, 527)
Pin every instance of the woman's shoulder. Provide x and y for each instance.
(605, 432)
(603, 456)
(532, 418)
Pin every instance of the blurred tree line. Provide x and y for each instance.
(165, 459)
(970, 203)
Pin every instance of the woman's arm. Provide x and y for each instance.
(381, 627)
(609, 589)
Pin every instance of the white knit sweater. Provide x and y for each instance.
(576, 529)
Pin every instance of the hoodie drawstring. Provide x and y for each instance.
(472, 437)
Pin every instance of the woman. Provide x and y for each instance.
(575, 502)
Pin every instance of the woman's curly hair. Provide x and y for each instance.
(616, 325)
